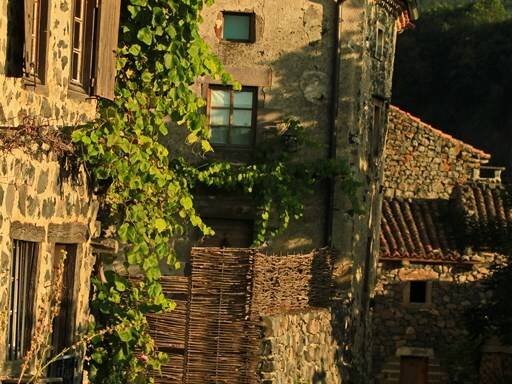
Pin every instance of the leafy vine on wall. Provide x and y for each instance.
(151, 201)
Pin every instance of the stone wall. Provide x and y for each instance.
(40, 203)
(299, 348)
(423, 162)
(52, 101)
(438, 325)
(41, 200)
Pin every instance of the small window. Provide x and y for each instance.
(93, 47)
(232, 116)
(21, 298)
(418, 292)
(36, 38)
(379, 43)
(82, 42)
(238, 27)
(377, 132)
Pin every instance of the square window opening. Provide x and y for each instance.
(232, 116)
(239, 27)
(418, 292)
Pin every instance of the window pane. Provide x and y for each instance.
(242, 117)
(237, 27)
(75, 62)
(219, 117)
(241, 136)
(219, 135)
(78, 9)
(243, 99)
(219, 98)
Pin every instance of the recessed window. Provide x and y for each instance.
(81, 55)
(379, 43)
(418, 292)
(95, 27)
(36, 37)
(232, 115)
(238, 27)
(377, 132)
(21, 298)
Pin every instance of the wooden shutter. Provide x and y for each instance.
(413, 370)
(29, 22)
(107, 30)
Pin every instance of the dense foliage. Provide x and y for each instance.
(149, 200)
(453, 70)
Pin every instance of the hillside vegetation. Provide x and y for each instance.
(454, 70)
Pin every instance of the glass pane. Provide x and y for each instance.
(243, 99)
(219, 116)
(74, 63)
(76, 34)
(219, 98)
(78, 8)
(237, 27)
(241, 136)
(242, 117)
(219, 135)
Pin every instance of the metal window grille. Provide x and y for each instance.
(21, 298)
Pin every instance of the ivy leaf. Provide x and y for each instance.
(135, 49)
(186, 202)
(125, 335)
(145, 35)
(160, 225)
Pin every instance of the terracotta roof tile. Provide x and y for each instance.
(417, 230)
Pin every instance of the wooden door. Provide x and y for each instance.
(413, 370)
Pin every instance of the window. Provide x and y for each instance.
(21, 298)
(63, 328)
(232, 115)
(36, 38)
(64, 323)
(418, 292)
(379, 43)
(81, 56)
(377, 132)
(229, 233)
(239, 27)
(93, 48)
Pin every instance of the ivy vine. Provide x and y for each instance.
(149, 199)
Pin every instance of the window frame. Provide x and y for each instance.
(407, 294)
(380, 42)
(36, 56)
(86, 50)
(252, 26)
(24, 321)
(254, 111)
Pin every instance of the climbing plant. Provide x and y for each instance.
(148, 199)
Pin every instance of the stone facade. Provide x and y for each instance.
(438, 325)
(44, 198)
(442, 231)
(423, 162)
(329, 65)
(299, 348)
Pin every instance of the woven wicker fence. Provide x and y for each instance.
(213, 335)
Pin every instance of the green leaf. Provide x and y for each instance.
(145, 35)
(160, 225)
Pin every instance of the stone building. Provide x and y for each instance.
(328, 64)
(444, 216)
(56, 58)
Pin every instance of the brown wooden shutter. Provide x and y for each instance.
(29, 22)
(107, 30)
